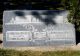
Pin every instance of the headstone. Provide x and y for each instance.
(37, 28)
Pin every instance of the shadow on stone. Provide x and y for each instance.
(49, 16)
(20, 14)
(1, 41)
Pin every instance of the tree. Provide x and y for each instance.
(74, 16)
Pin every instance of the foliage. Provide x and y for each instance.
(74, 16)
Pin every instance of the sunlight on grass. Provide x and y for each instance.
(9, 52)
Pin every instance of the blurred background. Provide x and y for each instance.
(71, 5)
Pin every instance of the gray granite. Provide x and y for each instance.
(37, 28)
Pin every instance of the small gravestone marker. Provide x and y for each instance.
(37, 28)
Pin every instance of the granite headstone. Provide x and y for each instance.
(37, 28)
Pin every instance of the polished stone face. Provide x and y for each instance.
(37, 28)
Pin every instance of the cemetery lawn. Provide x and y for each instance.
(8, 52)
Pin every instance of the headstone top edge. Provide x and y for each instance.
(34, 10)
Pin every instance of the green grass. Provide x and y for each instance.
(7, 52)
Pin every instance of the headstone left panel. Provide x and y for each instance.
(14, 33)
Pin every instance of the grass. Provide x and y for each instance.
(8, 52)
